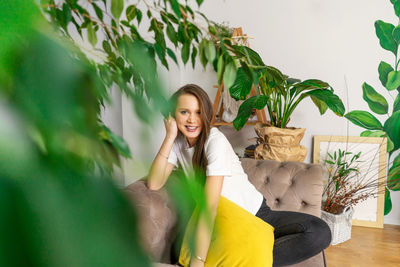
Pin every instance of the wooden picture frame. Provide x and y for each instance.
(368, 213)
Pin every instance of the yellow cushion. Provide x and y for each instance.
(239, 239)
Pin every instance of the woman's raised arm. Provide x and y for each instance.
(161, 168)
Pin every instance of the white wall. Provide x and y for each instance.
(333, 41)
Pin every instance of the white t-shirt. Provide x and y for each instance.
(222, 161)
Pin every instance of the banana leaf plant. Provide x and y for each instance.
(389, 75)
(277, 92)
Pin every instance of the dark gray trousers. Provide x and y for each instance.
(298, 236)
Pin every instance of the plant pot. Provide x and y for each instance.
(340, 225)
(281, 144)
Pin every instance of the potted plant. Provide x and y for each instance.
(389, 75)
(345, 187)
(281, 96)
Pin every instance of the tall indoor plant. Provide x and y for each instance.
(56, 156)
(389, 75)
(280, 95)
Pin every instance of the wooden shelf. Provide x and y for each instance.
(218, 103)
(218, 109)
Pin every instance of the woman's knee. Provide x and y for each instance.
(320, 231)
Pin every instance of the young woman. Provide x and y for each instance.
(190, 141)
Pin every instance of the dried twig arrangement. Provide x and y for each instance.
(346, 187)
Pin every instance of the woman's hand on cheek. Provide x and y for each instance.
(170, 127)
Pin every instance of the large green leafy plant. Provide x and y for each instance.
(389, 75)
(59, 205)
(56, 210)
(115, 30)
(277, 92)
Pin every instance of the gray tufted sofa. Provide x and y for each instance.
(291, 186)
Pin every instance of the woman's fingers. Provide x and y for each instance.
(170, 126)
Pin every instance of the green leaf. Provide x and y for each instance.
(393, 81)
(322, 107)
(92, 36)
(379, 133)
(67, 15)
(220, 68)
(393, 179)
(181, 34)
(139, 16)
(388, 202)
(202, 54)
(130, 12)
(241, 88)
(396, 104)
(89, 198)
(199, 2)
(396, 6)
(193, 57)
(159, 37)
(172, 55)
(160, 51)
(248, 71)
(210, 51)
(175, 8)
(330, 99)
(274, 75)
(384, 69)
(396, 160)
(252, 57)
(172, 18)
(364, 119)
(229, 75)
(245, 109)
(172, 34)
(396, 33)
(185, 52)
(384, 32)
(98, 11)
(116, 141)
(376, 102)
(116, 8)
(107, 47)
(310, 84)
(212, 30)
(392, 127)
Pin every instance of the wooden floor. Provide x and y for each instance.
(368, 247)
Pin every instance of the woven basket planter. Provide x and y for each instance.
(340, 225)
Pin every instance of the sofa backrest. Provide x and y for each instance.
(156, 219)
(291, 186)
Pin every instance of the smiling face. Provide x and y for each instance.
(188, 118)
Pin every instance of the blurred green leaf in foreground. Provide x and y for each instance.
(56, 207)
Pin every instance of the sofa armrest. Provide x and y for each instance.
(156, 219)
(290, 186)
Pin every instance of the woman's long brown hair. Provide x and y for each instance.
(199, 159)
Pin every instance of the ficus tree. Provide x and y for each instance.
(389, 75)
(115, 29)
(59, 204)
(133, 38)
